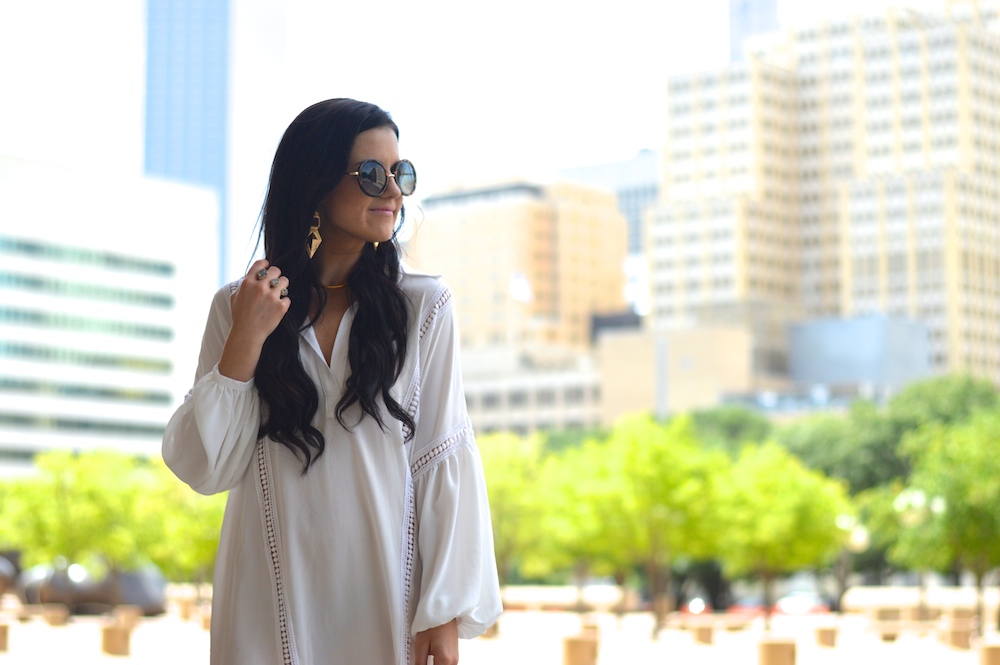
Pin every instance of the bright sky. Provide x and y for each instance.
(480, 90)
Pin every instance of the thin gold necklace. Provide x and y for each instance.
(336, 286)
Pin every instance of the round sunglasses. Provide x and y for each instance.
(373, 179)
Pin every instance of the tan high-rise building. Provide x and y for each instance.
(723, 246)
(849, 170)
(528, 264)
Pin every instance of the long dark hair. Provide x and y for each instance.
(310, 161)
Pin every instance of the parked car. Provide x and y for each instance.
(8, 575)
(73, 587)
(800, 603)
(752, 605)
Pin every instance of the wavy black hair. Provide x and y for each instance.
(310, 161)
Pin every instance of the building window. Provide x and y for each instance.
(545, 397)
(574, 395)
(491, 400)
(518, 398)
(64, 356)
(62, 288)
(80, 391)
(56, 321)
(63, 253)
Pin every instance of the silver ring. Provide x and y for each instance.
(262, 273)
(275, 282)
(284, 293)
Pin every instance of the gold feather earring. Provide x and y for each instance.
(314, 239)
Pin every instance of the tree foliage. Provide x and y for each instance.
(588, 501)
(112, 510)
(729, 428)
(959, 470)
(644, 495)
(780, 516)
(513, 466)
(861, 447)
(946, 400)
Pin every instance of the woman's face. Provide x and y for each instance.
(350, 217)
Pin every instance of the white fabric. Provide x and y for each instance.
(381, 539)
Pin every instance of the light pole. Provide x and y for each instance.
(858, 541)
(915, 510)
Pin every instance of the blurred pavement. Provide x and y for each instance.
(526, 638)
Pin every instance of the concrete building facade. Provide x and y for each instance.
(506, 390)
(882, 354)
(849, 171)
(101, 310)
(636, 184)
(530, 267)
(529, 264)
(723, 246)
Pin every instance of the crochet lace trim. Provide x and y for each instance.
(445, 447)
(408, 558)
(265, 493)
(441, 299)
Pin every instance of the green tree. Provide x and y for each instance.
(111, 511)
(946, 399)
(588, 502)
(729, 428)
(672, 483)
(780, 516)
(557, 440)
(513, 466)
(189, 526)
(861, 447)
(79, 506)
(958, 467)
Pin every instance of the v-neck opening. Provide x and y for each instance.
(343, 329)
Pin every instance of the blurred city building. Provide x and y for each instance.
(879, 353)
(512, 391)
(849, 171)
(724, 243)
(99, 328)
(749, 18)
(187, 92)
(636, 183)
(673, 371)
(530, 266)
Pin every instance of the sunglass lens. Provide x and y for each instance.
(406, 177)
(371, 177)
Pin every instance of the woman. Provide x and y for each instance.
(328, 401)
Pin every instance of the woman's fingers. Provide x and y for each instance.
(439, 645)
(260, 303)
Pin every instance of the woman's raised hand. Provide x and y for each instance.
(257, 308)
(258, 304)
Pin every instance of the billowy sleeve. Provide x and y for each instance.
(457, 571)
(209, 441)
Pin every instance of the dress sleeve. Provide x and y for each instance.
(209, 441)
(458, 572)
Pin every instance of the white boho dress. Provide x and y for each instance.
(381, 539)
